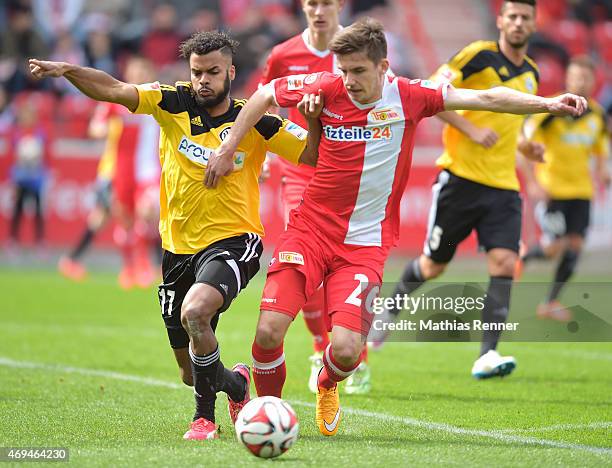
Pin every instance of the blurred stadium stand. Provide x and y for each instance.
(422, 34)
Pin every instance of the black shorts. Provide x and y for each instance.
(460, 205)
(562, 217)
(227, 265)
(103, 193)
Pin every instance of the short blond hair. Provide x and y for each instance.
(366, 35)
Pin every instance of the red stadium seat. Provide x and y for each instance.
(45, 103)
(552, 75)
(574, 35)
(602, 37)
(74, 113)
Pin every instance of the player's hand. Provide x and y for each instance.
(483, 136)
(220, 164)
(568, 104)
(44, 68)
(533, 151)
(311, 105)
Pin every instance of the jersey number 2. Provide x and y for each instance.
(354, 298)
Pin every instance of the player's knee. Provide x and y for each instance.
(198, 310)
(268, 336)
(346, 352)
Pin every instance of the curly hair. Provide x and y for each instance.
(205, 42)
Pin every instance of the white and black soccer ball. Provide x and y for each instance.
(267, 426)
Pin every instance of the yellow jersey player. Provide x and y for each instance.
(477, 188)
(566, 180)
(211, 237)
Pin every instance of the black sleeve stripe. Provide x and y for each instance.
(171, 101)
(547, 121)
(480, 61)
(269, 125)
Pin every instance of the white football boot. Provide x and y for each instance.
(491, 364)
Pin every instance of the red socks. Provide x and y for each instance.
(269, 370)
(333, 372)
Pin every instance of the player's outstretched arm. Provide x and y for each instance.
(95, 84)
(506, 100)
(221, 162)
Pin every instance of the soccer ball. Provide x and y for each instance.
(267, 426)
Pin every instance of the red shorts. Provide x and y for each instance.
(351, 276)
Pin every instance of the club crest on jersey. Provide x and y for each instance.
(383, 115)
(291, 257)
(224, 133)
(295, 82)
(357, 133)
(530, 85)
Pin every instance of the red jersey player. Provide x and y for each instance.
(342, 232)
(308, 53)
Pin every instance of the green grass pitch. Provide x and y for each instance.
(88, 367)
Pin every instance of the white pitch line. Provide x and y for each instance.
(492, 434)
(561, 427)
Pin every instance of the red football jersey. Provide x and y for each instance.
(364, 155)
(295, 56)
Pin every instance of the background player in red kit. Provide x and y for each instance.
(342, 232)
(308, 53)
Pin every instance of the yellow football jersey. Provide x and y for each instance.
(193, 216)
(569, 142)
(481, 65)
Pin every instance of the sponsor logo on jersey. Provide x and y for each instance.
(383, 115)
(296, 131)
(575, 138)
(530, 85)
(197, 121)
(310, 79)
(291, 257)
(295, 82)
(296, 68)
(356, 133)
(268, 300)
(200, 154)
(329, 113)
